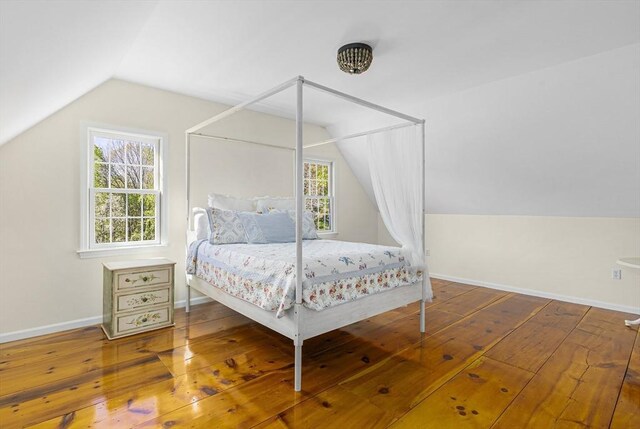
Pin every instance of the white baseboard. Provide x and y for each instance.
(541, 294)
(195, 300)
(78, 323)
(81, 323)
(49, 329)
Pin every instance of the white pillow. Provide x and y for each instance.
(201, 223)
(226, 202)
(266, 204)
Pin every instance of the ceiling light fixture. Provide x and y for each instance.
(355, 58)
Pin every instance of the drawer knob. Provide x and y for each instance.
(145, 299)
(145, 278)
(127, 280)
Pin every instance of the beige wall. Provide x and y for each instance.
(567, 256)
(42, 280)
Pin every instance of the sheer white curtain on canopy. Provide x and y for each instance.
(395, 166)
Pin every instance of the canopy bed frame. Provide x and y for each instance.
(300, 323)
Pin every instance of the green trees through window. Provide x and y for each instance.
(125, 192)
(318, 191)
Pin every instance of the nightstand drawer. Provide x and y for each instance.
(144, 319)
(143, 278)
(142, 299)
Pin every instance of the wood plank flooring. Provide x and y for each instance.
(489, 359)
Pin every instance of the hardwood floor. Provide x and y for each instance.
(490, 359)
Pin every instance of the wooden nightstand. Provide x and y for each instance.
(137, 296)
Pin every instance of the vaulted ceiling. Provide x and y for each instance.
(54, 51)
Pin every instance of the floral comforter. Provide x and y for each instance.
(335, 271)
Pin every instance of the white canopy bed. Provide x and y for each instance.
(297, 313)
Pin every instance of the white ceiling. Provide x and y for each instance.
(52, 52)
(449, 61)
(562, 141)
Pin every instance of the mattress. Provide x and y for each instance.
(335, 271)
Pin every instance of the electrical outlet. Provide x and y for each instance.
(427, 252)
(616, 274)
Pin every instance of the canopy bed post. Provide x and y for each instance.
(187, 155)
(426, 282)
(297, 341)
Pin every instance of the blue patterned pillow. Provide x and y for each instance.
(309, 231)
(225, 226)
(268, 228)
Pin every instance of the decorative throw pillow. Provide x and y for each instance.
(268, 228)
(309, 231)
(225, 226)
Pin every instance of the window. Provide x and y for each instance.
(123, 190)
(318, 191)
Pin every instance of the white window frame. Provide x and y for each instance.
(88, 247)
(332, 192)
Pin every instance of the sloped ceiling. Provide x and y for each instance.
(52, 52)
(228, 50)
(562, 141)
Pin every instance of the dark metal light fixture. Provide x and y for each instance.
(355, 58)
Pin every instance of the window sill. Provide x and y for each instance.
(98, 253)
(327, 235)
